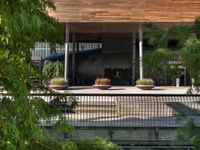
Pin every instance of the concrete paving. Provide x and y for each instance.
(133, 111)
(129, 90)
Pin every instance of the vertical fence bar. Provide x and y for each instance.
(102, 110)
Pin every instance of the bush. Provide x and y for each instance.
(58, 81)
(145, 82)
(96, 144)
(102, 81)
(69, 145)
(52, 69)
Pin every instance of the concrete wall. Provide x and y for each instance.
(132, 138)
(127, 138)
(115, 54)
(125, 134)
(116, 43)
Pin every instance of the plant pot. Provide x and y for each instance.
(145, 87)
(102, 87)
(177, 82)
(192, 82)
(58, 87)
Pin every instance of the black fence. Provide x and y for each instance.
(125, 110)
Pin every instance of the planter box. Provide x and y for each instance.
(102, 87)
(58, 87)
(145, 87)
(177, 82)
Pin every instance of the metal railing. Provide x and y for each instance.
(42, 49)
(110, 110)
(126, 110)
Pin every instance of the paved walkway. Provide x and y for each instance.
(129, 111)
(129, 90)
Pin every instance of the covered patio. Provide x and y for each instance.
(91, 21)
(119, 58)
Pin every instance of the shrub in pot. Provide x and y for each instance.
(58, 83)
(145, 84)
(102, 83)
(52, 70)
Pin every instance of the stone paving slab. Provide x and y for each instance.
(129, 90)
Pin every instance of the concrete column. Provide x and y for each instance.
(133, 56)
(66, 51)
(141, 50)
(73, 59)
(77, 46)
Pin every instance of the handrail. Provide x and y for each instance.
(108, 94)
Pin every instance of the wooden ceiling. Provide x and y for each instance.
(130, 11)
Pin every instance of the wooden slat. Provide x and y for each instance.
(126, 10)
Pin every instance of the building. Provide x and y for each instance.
(118, 26)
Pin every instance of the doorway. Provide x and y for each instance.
(119, 76)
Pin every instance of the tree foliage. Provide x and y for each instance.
(158, 38)
(22, 23)
(189, 45)
(191, 56)
(189, 134)
(96, 144)
(52, 69)
(157, 61)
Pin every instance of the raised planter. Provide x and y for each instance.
(58, 87)
(102, 83)
(177, 82)
(102, 87)
(145, 87)
(145, 84)
(58, 83)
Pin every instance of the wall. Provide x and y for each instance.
(133, 138)
(91, 65)
(116, 43)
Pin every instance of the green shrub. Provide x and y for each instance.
(58, 81)
(69, 145)
(146, 81)
(52, 69)
(46, 145)
(96, 144)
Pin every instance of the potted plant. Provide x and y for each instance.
(58, 83)
(52, 70)
(145, 84)
(102, 83)
(175, 71)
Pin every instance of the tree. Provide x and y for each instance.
(158, 59)
(22, 23)
(189, 44)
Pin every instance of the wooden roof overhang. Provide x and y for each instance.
(113, 27)
(126, 11)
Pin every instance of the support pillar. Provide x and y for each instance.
(77, 46)
(141, 50)
(66, 51)
(73, 59)
(133, 56)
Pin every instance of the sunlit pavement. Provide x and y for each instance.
(128, 90)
